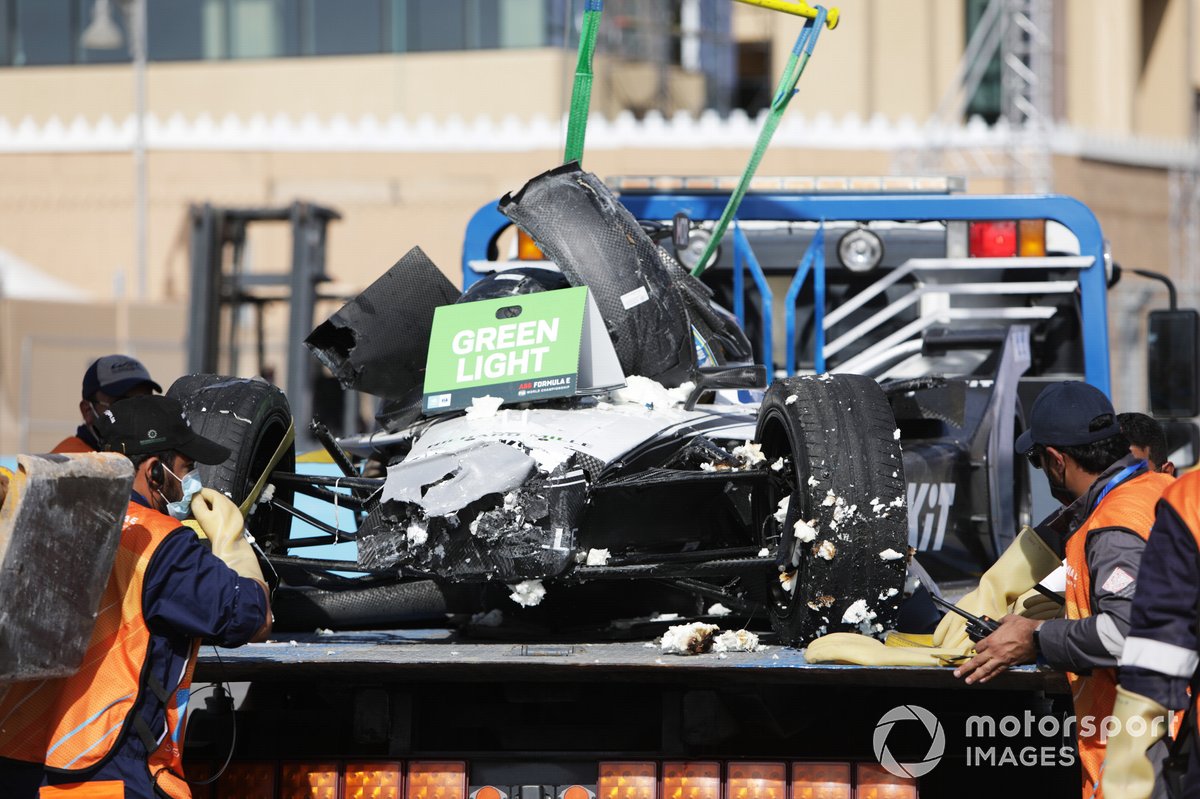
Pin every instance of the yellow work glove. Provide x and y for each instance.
(1022, 566)
(863, 650)
(1128, 773)
(1033, 605)
(223, 524)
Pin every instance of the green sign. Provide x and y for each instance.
(517, 348)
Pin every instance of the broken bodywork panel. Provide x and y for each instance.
(506, 497)
(377, 342)
(596, 242)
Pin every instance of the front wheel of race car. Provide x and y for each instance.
(834, 514)
(253, 419)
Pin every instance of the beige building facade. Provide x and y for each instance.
(407, 146)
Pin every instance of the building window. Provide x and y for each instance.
(344, 27)
(44, 32)
(985, 102)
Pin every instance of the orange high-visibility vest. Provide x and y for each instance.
(1184, 498)
(74, 723)
(1130, 506)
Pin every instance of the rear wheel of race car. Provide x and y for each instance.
(842, 567)
(251, 417)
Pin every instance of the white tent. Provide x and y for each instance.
(21, 280)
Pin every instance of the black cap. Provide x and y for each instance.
(149, 425)
(116, 375)
(1062, 416)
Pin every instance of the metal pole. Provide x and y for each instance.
(137, 16)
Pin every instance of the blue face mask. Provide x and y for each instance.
(190, 483)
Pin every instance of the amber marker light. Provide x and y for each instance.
(697, 780)
(821, 781)
(308, 781)
(527, 249)
(372, 780)
(756, 781)
(627, 781)
(875, 782)
(436, 780)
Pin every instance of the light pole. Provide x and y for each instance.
(103, 34)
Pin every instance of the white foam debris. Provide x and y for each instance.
(826, 550)
(417, 533)
(493, 618)
(813, 482)
(782, 510)
(708, 467)
(750, 454)
(510, 499)
(787, 580)
(651, 394)
(764, 552)
(324, 631)
(791, 400)
(857, 613)
(548, 460)
(650, 645)
(688, 639)
(718, 609)
(528, 593)
(483, 407)
(890, 554)
(735, 641)
(896, 434)
(804, 531)
(888, 594)
(898, 502)
(664, 616)
(268, 493)
(598, 557)
(777, 466)
(830, 498)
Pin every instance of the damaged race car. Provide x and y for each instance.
(685, 475)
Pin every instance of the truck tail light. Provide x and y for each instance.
(627, 781)
(247, 779)
(691, 781)
(308, 781)
(372, 781)
(874, 782)
(527, 249)
(436, 780)
(997, 239)
(821, 781)
(1031, 238)
(756, 781)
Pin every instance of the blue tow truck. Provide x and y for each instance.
(961, 307)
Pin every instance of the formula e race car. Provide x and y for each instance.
(688, 474)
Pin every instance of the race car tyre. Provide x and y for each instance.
(841, 545)
(251, 417)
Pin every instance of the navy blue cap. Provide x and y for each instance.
(149, 425)
(115, 375)
(1062, 416)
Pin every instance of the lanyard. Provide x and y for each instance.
(1119, 478)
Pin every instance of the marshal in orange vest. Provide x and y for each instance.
(1129, 506)
(75, 723)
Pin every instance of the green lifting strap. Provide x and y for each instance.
(805, 43)
(581, 91)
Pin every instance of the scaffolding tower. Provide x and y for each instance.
(1019, 34)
